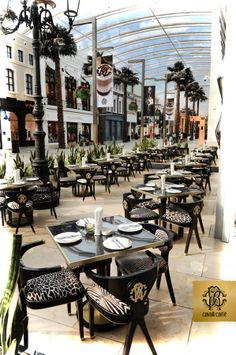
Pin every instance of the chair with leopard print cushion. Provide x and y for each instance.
(123, 300)
(129, 263)
(48, 287)
(185, 215)
(135, 213)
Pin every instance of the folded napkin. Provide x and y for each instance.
(17, 175)
(98, 220)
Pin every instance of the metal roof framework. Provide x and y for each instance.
(161, 32)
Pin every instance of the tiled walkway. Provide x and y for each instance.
(53, 332)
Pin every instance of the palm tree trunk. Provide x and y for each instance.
(60, 116)
(186, 114)
(177, 111)
(198, 107)
(125, 127)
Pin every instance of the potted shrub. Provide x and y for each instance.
(133, 106)
(82, 92)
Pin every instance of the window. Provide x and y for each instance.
(70, 86)
(9, 52)
(31, 59)
(20, 56)
(52, 132)
(50, 86)
(29, 84)
(10, 80)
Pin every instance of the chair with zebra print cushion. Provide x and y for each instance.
(123, 300)
(46, 287)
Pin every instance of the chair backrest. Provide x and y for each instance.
(130, 201)
(132, 289)
(21, 197)
(87, 173)
(29, 272)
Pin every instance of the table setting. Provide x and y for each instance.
(79, 244)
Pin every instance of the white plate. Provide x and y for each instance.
(172, 191)
(67, 237)
(147, 188)
(3, 181)
(130, 227)
(151, 184)
(18, 183)
(117, 243)
(32, 179)
(106, 231)
(72, 166)
(82, 222)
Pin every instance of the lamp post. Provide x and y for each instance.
(142, 61)
(40, 20)
(95, 50)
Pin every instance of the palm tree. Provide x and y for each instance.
(201, 96)
(127, 77)
(53, 50)
(187, 83)
(177, 74)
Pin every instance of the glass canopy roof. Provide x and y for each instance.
(161, 32)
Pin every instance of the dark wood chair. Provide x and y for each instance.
(86, 184)
(132, 262)
(49, 287)
(139, 209)
(185, 215)
(123, 299)
(20, 205)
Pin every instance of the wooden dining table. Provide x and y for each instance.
(90, 248)
(171, 190)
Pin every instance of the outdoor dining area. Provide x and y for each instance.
(108, 263)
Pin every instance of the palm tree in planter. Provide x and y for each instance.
(126, 77)
(51, 49)
(177, 74)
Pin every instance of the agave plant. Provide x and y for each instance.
(12, 320)
(3, 168)
(72, 155)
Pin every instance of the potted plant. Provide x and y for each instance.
(82, 92)
(133, 106)
(3, 168)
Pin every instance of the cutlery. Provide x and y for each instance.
(119, 243)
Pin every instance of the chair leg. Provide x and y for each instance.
(69, 308)
(170, 287)
(28, 219)
(129, 337)
(79, 313)
(201, 223)
(91, 321)
(18, 222)
(188, 239)
(147, 336)
(198, 237)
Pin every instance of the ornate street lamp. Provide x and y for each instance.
(39, 19)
